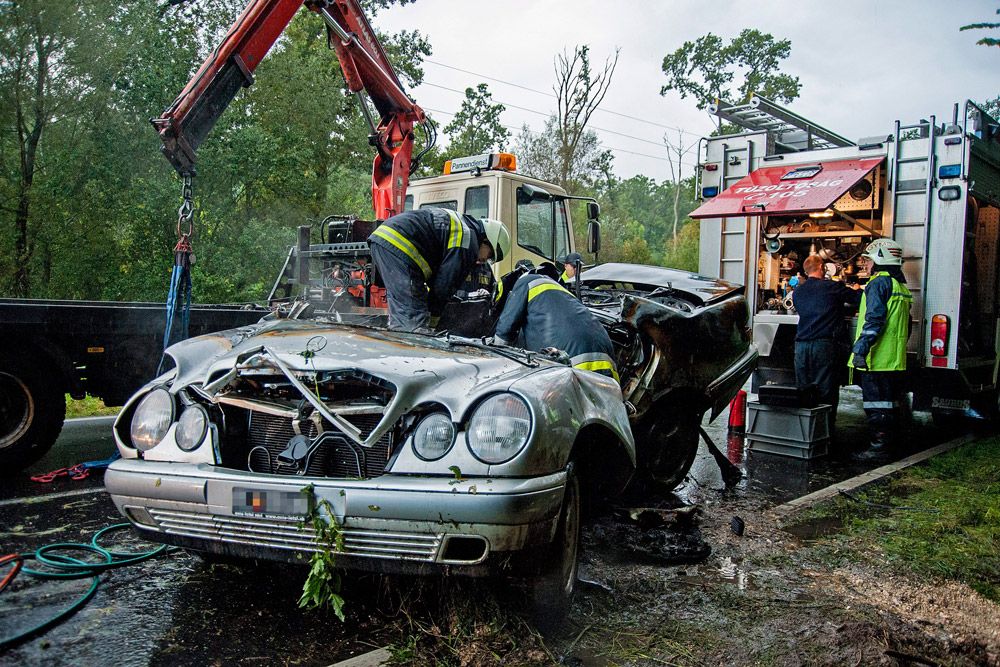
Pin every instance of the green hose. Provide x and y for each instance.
(62, 566)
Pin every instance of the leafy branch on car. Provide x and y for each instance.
(321, 588)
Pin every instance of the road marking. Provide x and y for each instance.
(867, 478)
(31, 500)
(77, 420)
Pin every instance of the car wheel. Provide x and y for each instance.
(552, 588)
(32, 411)
(670, 446)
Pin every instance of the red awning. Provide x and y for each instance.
(800, 188)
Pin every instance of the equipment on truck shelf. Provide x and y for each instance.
(784, 188)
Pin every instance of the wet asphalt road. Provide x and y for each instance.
(179, 610)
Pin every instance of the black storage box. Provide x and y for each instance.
(788, 395)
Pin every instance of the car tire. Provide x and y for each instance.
(32, 411)
(552, 588)
(671, 445)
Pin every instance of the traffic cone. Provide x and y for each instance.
(738, 413)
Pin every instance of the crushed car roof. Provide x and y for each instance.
(700, 289)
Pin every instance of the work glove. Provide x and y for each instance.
(859, 362)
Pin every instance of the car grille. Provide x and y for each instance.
(287, 535)
(336, 457)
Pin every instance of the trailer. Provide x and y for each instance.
(783, 187)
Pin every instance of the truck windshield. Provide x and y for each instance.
(542, 226)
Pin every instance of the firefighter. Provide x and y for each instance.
(571, 264)
(551, 317)
(424, 255)
(821, 339)
(879, 350)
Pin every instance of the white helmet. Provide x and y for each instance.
(498, 236)
(884, 252)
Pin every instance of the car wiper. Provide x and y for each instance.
(514, 354)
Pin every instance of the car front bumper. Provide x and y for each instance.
(385, 521)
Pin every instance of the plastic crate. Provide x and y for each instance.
(791, 448)
(787, 425)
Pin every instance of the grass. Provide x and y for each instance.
(88, 407)
(953, 530)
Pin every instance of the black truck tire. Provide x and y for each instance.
(32, 411)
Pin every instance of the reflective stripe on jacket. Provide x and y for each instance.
(550, 316)
(883, 323)
(440, 243)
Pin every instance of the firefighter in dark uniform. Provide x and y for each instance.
(424, 255)
(551, 317)
(821, 339)
(879, 350)
(571, 265)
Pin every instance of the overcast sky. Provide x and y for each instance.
(862, 64)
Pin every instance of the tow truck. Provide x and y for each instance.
(784, 187)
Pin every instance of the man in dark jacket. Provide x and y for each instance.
(879, 350)
(821, 342)
(551, 317)
(424, 255)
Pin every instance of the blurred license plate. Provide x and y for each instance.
(272, 504)
(949, 403)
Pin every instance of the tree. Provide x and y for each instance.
(566, 152)
(476, 128)
(708, 69)
(985, 41)
(675, 154)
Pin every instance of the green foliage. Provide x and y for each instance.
(985, 41)
(88, 406)
(709, 69)
(321, 588)
(956, 532)
(100, 202)
(477, 128)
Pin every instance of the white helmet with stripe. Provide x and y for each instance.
(884, 252)
(498, 236)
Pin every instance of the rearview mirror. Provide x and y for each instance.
(593, 210)
(593, 235)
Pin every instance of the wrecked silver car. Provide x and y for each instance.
(431, 450)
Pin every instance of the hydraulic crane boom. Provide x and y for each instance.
(186, 123)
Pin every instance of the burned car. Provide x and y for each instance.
(433, 451)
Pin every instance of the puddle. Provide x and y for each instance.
(813, 529)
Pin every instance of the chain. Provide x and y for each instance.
(185, 218)
(185, 214)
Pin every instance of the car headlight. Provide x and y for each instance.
(433, 437)
(499, 428)
(191, 427)
(152, 419)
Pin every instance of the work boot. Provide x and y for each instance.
(877, 451)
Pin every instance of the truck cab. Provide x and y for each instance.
(535, 213)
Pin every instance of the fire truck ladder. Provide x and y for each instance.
(912, 185)
(762, 114)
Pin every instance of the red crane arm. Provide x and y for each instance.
(186, 123)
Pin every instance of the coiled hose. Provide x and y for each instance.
(59, 565)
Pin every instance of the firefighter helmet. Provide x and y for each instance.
(498, 236)
(884, 252)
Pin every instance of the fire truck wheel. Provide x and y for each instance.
(32, 411)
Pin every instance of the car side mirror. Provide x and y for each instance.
(593, 235)
(593, 211)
